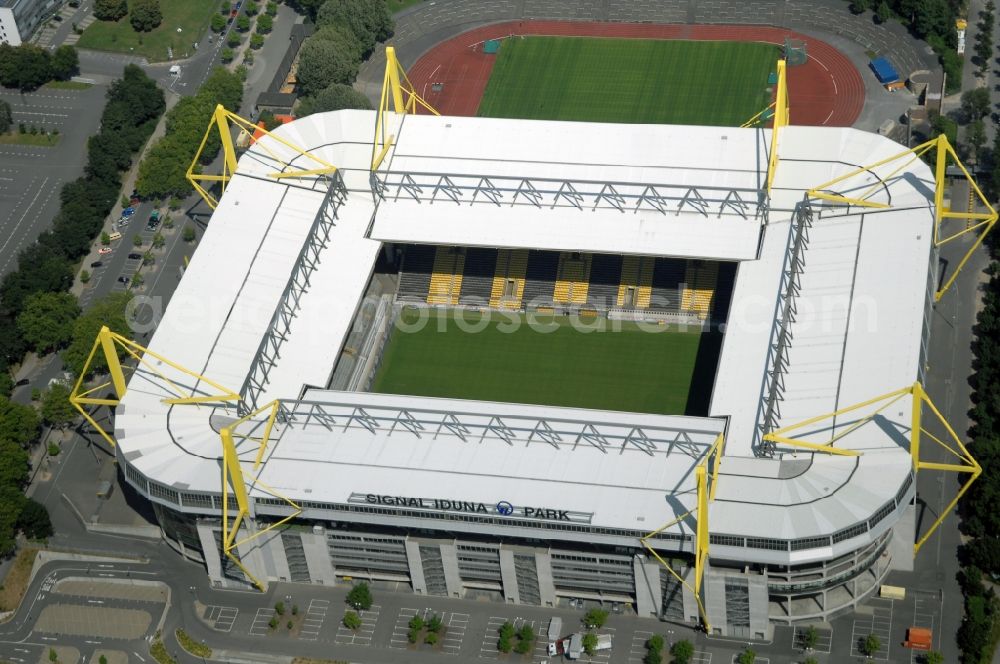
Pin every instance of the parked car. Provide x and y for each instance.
(123, 279)
(128, 212)
(22, 382)
(134, 256)
(97, 264)
(104, 250)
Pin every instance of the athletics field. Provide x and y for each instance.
(630, 80)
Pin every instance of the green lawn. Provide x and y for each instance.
(629, 80)
(191, 16)
(399, 5)
(67, 85)
(628, 370)
(35, 140)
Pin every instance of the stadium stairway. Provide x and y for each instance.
(605, 270)
(507, 289)
(573, 278)
(478, 276)
(635, 287)
(415, 273)
(540, 277)
(446, 279)
(700, 278)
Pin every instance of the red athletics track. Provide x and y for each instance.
(827, 90)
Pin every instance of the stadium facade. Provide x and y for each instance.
(298, 281)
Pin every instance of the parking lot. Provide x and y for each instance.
(880, 624)
(455, 626)
(824, 639)
(221, 618)
(313, 620)
(362, 636)
(260, 626)
(31, 176)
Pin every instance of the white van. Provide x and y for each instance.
(175, 70)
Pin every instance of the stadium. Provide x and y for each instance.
(673, 366)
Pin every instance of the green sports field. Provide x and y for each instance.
(629, 370)
(629, 80)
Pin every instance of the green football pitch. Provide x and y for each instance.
(505, 359)
(629, 80)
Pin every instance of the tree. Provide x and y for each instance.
(933, 657)
(6, 117)
(234, 39)
(860, 6)
(870, 645)
(334, 97)
(53, 655)
(264, 24)
(256, 41)
(369, 20)
(29, 69)
(46, 321)
(34, 520)
(975, 136)
(590, 643)
(188, 233)
(242, 22)
(976, 104)
(158, 241)
(682, 651)
(882, 12)
(747, 657)
(324, 61)
(595, 618)
(110, 311)
(102, 660)
(218, 23)
(416, 623)
(272, 9)
(810, 637)
(15, 467)
(360, 597)
(431, 638)
(110, 10)
(65, 63)
(57, 411)
(18, 423)
(227, 54)
(352, 620)
(145, 15)
(435, 624)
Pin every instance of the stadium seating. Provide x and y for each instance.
(699, 279)
(605, 278)
(415, 274)
(508, 281)
(667, 281)
(635, 289)
(517, 278)
(573, 278)
(478, 276)
(540, 277)
(446, 277)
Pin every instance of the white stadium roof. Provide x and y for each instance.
(674, 191)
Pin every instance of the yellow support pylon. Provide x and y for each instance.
(982, 222)
(397, 90)
(221, 122)
(109, 344)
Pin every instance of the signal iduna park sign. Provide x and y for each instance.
(500, 508)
